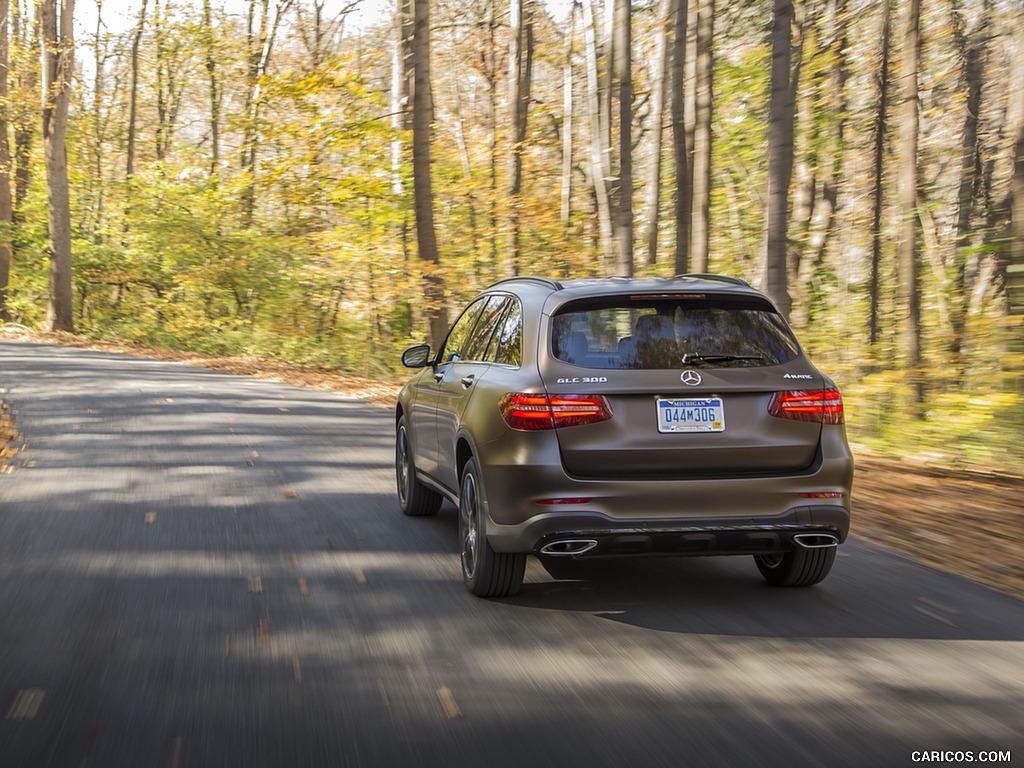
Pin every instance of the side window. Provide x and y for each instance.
(458, 337)
(507, 346)
(479, 343)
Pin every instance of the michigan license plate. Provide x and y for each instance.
(702, 414)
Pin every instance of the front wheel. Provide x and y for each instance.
(414, 497)
(798, 568)
(486, 573)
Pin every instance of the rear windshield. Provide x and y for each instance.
(668, 332)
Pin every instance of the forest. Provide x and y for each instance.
(266, 178)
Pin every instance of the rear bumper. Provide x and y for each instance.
(723, 515)
(719, 536)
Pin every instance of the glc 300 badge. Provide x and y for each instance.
(690, 378)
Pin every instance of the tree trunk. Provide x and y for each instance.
(599, 148)
(622, 188)
(520, 68)
(659, 88)
(133, 92)
(567, 116)
(702, 140)
(209, 43)
(26, 54)
(6, 211)
(423, 192)
(781, 124)
(909, 222)
(58, 70)
(680, 145)
(878, 182)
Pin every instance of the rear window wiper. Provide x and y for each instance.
(695, 357)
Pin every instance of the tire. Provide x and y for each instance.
(798, 568)
(415, 499)
(486, 573)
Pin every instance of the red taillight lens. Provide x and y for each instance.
(820, 406)
(532, 412)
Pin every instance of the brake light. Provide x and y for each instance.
(819, 406)
(526, 411)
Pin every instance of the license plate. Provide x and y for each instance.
(701, 414)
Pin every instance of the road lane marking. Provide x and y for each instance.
(448, 703)
(26, 704)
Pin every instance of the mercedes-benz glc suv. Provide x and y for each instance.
(623, 417)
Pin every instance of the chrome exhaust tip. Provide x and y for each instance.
(568, 547)
(816, 540)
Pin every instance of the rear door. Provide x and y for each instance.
(708, 416)
(466, 364)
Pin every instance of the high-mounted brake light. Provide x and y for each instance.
(529, 412)
(819, 406)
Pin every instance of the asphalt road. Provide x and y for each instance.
(199, 569)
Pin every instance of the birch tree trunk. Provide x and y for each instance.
(599, 149)
(423, 191)
(58, 70)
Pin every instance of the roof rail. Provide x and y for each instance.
(530, 278)
(719, 278)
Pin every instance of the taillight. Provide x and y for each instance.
(532, 412)
(820, 406)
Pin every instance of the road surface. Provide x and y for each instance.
(200, 569)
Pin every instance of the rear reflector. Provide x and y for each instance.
(527, 411)
(564, 501)
(820, 406)
(821, 495)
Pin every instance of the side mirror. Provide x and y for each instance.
(417, 356)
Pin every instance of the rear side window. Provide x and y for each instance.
(507, 344)
(659, 332)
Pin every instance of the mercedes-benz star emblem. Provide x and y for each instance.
(690, 377)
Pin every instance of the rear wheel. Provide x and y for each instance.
(486, 573)
(798, 568)
(414, 497)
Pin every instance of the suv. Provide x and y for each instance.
(608, 417)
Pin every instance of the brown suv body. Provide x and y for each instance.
(585, 434)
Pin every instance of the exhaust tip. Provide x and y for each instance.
(816, 540)
(568, 547)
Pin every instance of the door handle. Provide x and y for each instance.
(467, 381)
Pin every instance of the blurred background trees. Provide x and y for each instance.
(253, 178)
